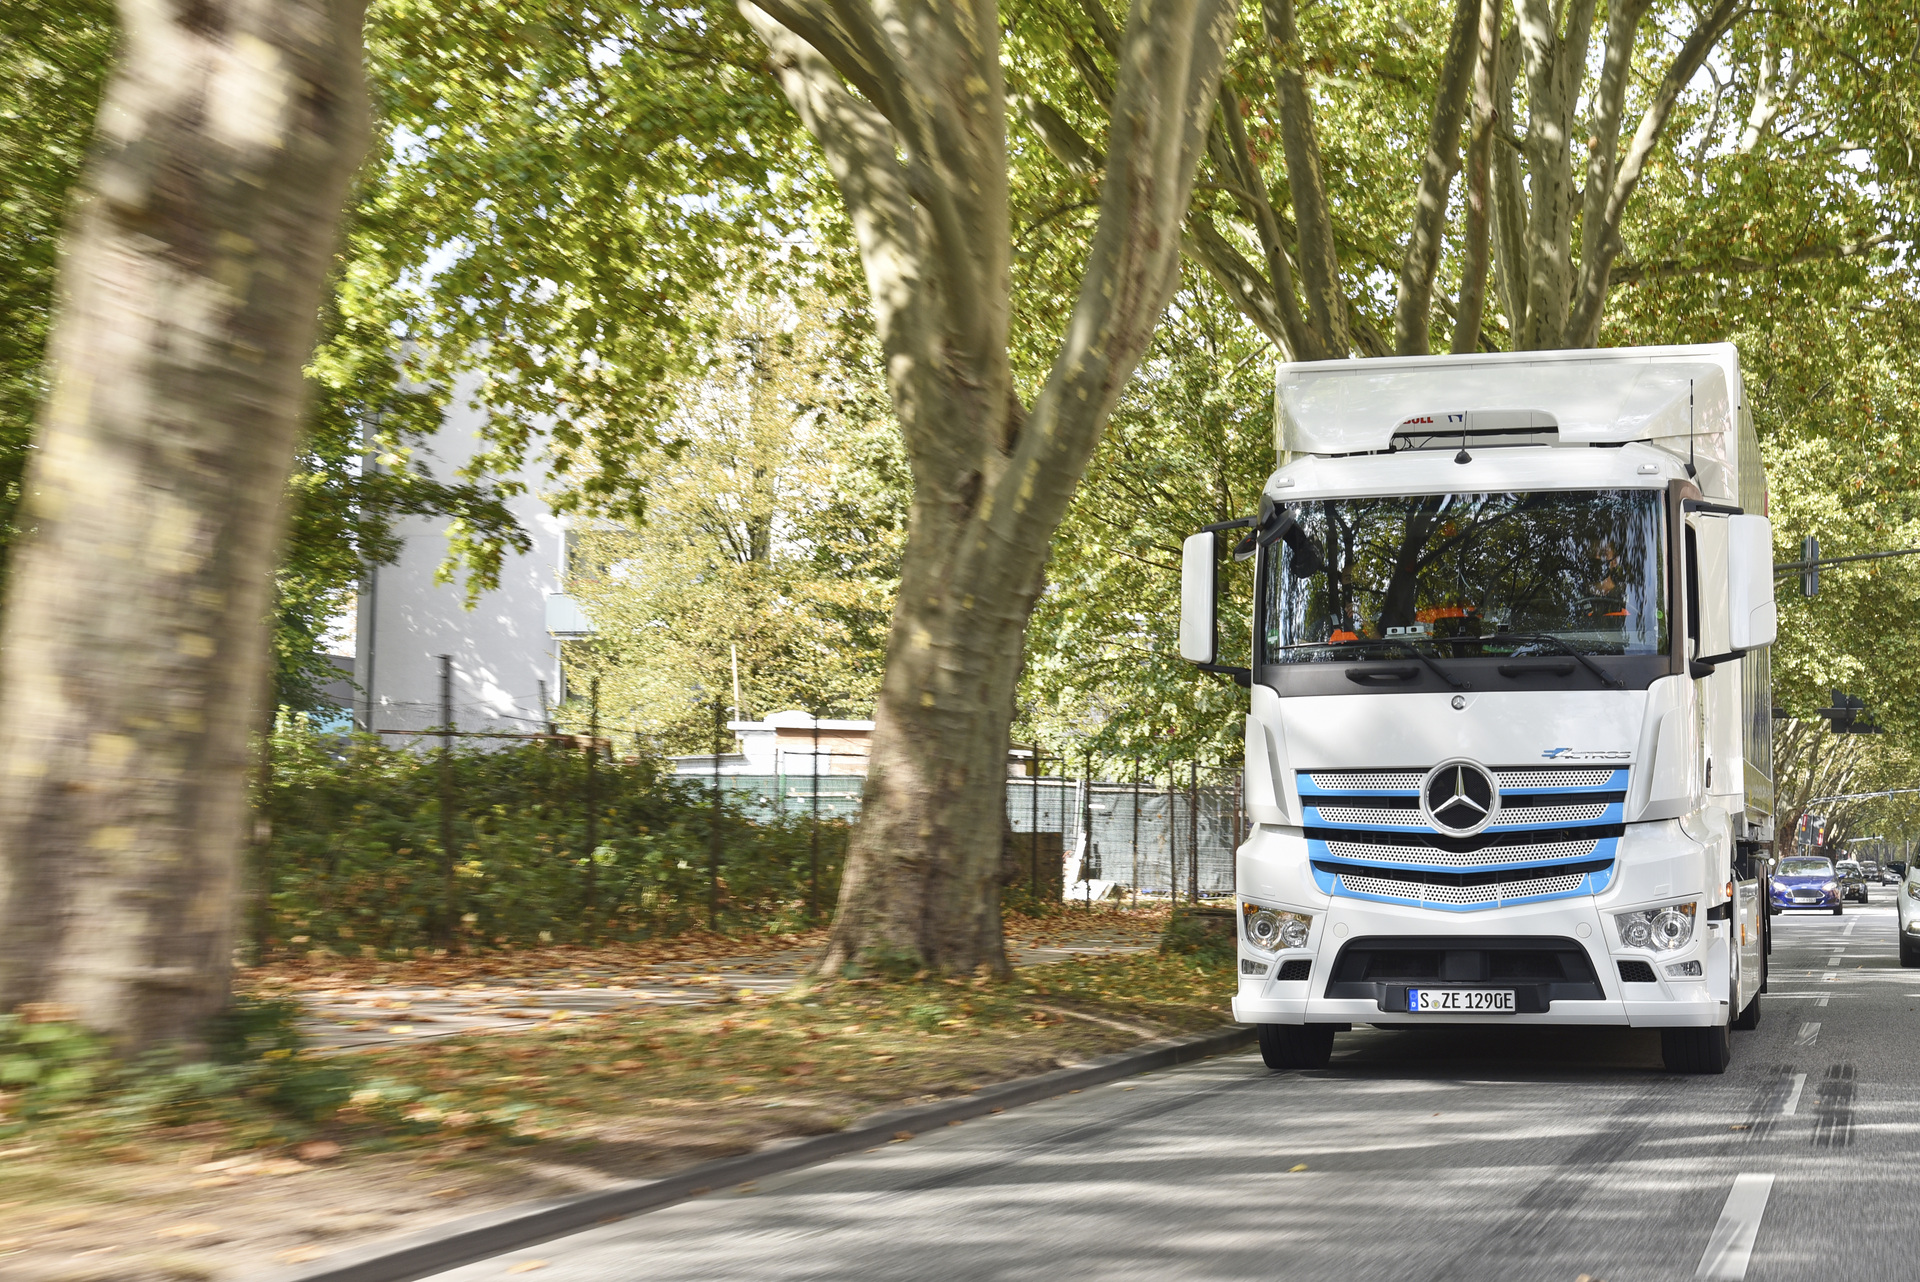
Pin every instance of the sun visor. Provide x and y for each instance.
(1603, 396)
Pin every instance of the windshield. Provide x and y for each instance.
(1805, 866)
(1469, 574)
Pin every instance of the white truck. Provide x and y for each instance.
(1508, 755)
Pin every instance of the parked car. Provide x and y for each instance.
(1892, 872)
(1870, 869)
(1805, 881)
(1853, 882)
(1908, 906)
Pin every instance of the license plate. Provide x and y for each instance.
(1461, 1000)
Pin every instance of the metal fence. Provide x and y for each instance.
(1172, 838)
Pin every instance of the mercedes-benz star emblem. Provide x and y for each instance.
(1459, 797)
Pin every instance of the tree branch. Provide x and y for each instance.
(1412, 323)
(1327, 334)
(1170, 62)
(1616, 74)
(1242, 282)
(1583, 325)
(1477, 233)
(1634, 273)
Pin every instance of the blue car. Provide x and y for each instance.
(1805, 881)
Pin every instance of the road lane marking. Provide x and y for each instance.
(1834, 960)
(1731, 1245)
(1849, 930)
(1808, 1033)
(1793, 1096)
(1822, 1001)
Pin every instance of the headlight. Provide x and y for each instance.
(1828, 885)
(1913, 890)
(1661, 929)
(1271, 930)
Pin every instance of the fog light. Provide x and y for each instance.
(1248, 966)
(1270, 929)
(1662, 929)
(1685, 970)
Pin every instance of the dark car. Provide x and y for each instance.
(1853, 880)
(1892, 873)
(1805, 881)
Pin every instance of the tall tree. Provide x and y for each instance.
(134, 650)
(909, 103)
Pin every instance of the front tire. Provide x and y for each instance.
(1285, 1046)
(1696, 1050)
(1909, 953)
(1749, 1019)
(1836, 910)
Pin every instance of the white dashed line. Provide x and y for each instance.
(1808, 1034)
(1849, 930)
(1822, 1001)
(1731, 1245)
(1834, 960)
(1793, 1096)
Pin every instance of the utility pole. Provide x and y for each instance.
(593, 807)
(1136, 832)
(713, 853)
(813, 854)
(1193, 832)
(1033, 837)
(1087, 858)
(452, 909)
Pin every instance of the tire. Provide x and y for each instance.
(1837, 909)
(1285, 1046)
(1749, 1019)
(1696, 1050)
(1909, 953)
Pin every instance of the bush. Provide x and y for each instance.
(1206, 936)
(255, 1080)
(355, 859)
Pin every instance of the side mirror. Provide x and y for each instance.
(1752, 620)
(1199, 637)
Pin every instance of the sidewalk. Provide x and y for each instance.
(521, 991)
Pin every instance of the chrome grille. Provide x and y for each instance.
(1382, 816)
(1553, 778)
(1392, 889)
(1524, 816)
(1367, 852)
(1366, 780)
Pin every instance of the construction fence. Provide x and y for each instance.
(1111, 839)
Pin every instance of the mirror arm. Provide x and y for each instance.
(1242, 677)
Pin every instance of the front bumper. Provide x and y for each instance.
(1786, 899)
(1662, 1003)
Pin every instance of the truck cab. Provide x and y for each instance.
(1508, 752)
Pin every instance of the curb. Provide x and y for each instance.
(476, 1237)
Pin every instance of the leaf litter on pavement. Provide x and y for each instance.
(486, 1118)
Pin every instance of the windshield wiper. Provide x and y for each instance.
(1402, 644)
(1547, 638)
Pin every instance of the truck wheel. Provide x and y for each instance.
(1749, 1018)
(1696, 1050)
(1285, 1046)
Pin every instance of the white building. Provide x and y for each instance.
(788, 743)
(505, 666)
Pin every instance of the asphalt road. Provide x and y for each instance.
(1419, 1156)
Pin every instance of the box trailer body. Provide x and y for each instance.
(1508, 751)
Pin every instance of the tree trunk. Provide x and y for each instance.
(135, 642)
(1477, 234)
(1327, 337)
(1412, 323)
(908, 104)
